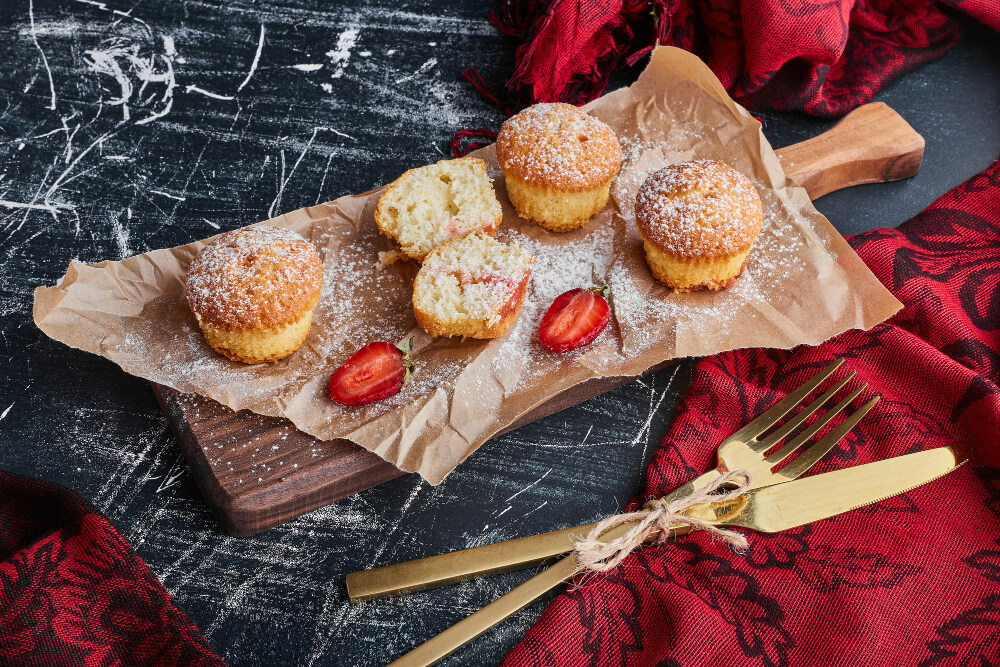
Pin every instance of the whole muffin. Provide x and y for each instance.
(429, 205)
(698, 221)
(471, 286)
(253, 291)
(558, 162)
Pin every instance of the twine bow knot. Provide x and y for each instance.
(658, 515)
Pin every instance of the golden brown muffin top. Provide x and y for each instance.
(255, 277)
(703, 208)
(558, 145)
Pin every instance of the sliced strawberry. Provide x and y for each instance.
(575, 319)
(376, 371)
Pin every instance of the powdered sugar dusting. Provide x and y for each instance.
(702, 322)
(464, 391)
(581, 260)
(558, 145)
(698, 208)
(256, 276)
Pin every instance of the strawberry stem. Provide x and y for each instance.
(602, 290)
(406, 348)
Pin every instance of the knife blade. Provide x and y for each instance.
(770, 509)
(783, 506)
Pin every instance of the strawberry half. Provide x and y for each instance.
(376, 371)
(575, 319)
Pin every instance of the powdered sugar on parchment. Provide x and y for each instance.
(794, 290)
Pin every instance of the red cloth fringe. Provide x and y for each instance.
(466, 141)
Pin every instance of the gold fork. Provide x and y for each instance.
(744, 449)
(771, 509)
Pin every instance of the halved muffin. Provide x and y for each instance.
(429, 205)
(471, 286)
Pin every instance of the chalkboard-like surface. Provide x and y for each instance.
(343, 96)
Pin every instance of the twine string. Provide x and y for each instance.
(658, 516)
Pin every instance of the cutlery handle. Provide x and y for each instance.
(452, 567)
(502, 608)
(449, 568)
(479, 622)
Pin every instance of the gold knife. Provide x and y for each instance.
(770, 509)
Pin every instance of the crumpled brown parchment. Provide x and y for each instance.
(802, 284)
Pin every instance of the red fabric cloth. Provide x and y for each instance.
(824, 57)
(912, 580)
(74, 593)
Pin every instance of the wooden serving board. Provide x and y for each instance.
(248, 492)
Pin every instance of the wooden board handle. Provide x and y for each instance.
(871, 144)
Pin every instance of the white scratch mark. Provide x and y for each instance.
(529, 486)
(308, 67)
(256, 60)
(62, 177)
(121, 235)
(120, 60)
(27, 212)
(167, 194)
(644, 431)
(423, 68)
(210, 223)
(171, 480)
(4, 413)
(50, 132)
(253, 68)
(338, 132)
(45, 61)
(341, 54)
(69, 136)
(284, 178)
(207, 93)
(535, 510)
(322, 182)
(51, 208)
(115, 12)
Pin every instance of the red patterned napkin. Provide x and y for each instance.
(824, 57)
(74, 593)
(912, 580)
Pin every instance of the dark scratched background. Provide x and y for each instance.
(129, 125)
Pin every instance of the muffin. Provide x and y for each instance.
(429, 205)
(558, 162)
(471, 286)
(698, 221)
(253, 291)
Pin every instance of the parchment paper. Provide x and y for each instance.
(802, 284)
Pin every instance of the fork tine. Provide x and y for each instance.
(820, 449)
(768, 418)
(812, 429)
(781, 433)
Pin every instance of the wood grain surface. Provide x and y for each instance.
(221, 111)
(247, 494)
(872, 144)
